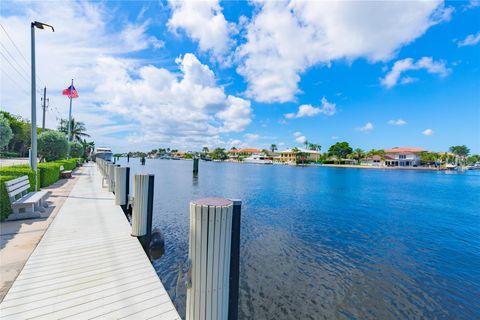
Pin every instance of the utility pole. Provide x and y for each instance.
(44, 106)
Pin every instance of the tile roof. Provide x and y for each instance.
(405, 150)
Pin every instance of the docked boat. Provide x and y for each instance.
(451, 166)
(260, 159)
(104, 153)
(475, 166)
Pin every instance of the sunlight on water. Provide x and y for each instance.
(323, 243)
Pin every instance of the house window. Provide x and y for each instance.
(402, 156)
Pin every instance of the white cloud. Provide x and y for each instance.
(470, 40)
(299, 137)
(367, 127)
(401, 66)
(427, 132)
(125, 103)
(307, 110)
(398, 122)
(203, 21)
(251, 136)
(284, 38)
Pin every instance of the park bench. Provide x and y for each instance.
(25, 204)
(65, 173)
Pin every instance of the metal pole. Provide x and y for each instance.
(33, 157)
(44, 107)
(234, 261)
(70, 119)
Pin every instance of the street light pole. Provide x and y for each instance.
(33, 153)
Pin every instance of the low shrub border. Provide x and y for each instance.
(5, 207)
(49, 173)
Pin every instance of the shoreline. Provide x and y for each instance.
(379, 167)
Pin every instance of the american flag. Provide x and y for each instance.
(70, 92)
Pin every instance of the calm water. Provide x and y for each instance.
(334, 243)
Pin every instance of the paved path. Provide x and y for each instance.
(88, 266)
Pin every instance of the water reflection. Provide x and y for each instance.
(323, 243)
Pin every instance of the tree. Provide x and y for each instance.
(265, 151)
(6, 133)
(21, 130)
(233, 148)
(52, 145)
(340, 150)
(273, 147)
(461, 152)
(205, 150)
(76, 149)
(358, 154)
(88, 147)
(218, 154)
(306, 143)
(77, 129)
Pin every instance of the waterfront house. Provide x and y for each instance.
(402, 157)
(239, 154)
(291, 155)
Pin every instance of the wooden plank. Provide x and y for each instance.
(210, 248)
(228, 242)
(17, 180)
(203, 263)
(217, 264)
(87, 265)
(18, 191)
(14, 187)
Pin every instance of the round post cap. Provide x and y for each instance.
(217, 202)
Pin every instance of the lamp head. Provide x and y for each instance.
(41, 25)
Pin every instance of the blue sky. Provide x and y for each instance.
(233, 73)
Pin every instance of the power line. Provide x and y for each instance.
(15, 83)
(14, 68)
(21, 54)
(13, 58)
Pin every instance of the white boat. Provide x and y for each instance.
(104, 153)
(257, 158)
(451, 166)
(475, 166)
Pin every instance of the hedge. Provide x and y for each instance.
(5, 207)
(68, 164)
(21, 170)
(49, 173)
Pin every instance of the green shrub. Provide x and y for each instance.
(5, 207)
(22, 170)
(49, 173)
(52, 145)
(8, 154)
(68, 164)
(76, 149)
(5, 131)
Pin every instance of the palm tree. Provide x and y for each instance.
(273, 147)
(233, 148)
(77, 129)
(205, 150)
(358, 154)
(306, 143)
(88, 146)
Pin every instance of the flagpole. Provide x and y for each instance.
(70, 118)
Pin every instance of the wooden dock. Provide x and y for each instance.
(87, 266)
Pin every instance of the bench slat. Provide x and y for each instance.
(32, 197)
(18, 191)
(17, 180)
(18, 186)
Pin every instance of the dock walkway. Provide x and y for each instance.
(87, 266)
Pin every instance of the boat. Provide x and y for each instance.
(104, 153)
(475, 166)
(451, 166)
(256, 158)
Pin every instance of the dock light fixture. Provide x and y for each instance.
(33, 153)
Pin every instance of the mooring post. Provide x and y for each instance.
(195, 165)
(235, 261)
(111, 177)
(120, 186)
(143, 186)
(127, 209)
(209, 256)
